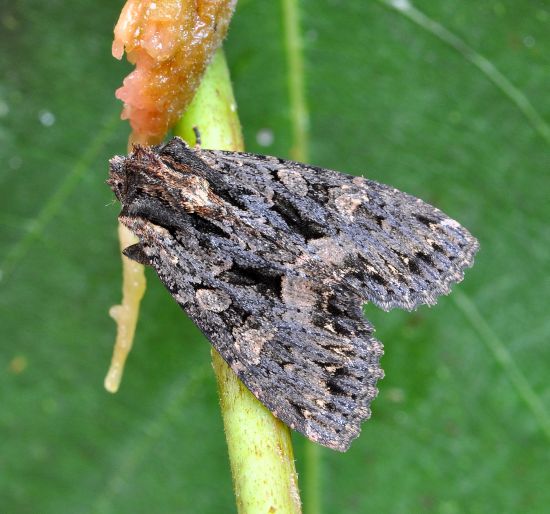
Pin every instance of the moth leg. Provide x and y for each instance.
(136, 252)
(198, 141)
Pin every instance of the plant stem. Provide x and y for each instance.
(296, 80)
(259, 445)
(299, 151)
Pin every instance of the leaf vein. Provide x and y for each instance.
(513, 93)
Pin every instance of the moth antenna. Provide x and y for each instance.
(197, 138)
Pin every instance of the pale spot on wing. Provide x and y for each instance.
(293, 181)
(212, 300)
(347, 203)
(251, 341)
(299, 298)
(332, 250)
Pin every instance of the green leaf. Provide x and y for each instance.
(461, 422)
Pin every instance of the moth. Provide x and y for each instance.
(273, 261)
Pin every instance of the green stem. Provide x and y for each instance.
(299, 151)
(312, 478)
(259, 445)
(296, 81)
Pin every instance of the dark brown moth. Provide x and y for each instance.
(273, 260)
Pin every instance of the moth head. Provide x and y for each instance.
(117, 176)
(126, 173)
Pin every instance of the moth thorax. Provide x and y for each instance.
(195, 192)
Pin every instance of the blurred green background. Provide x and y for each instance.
(461, 423)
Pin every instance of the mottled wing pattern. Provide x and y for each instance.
(315, 370)
(273, 260)
(394, 249)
